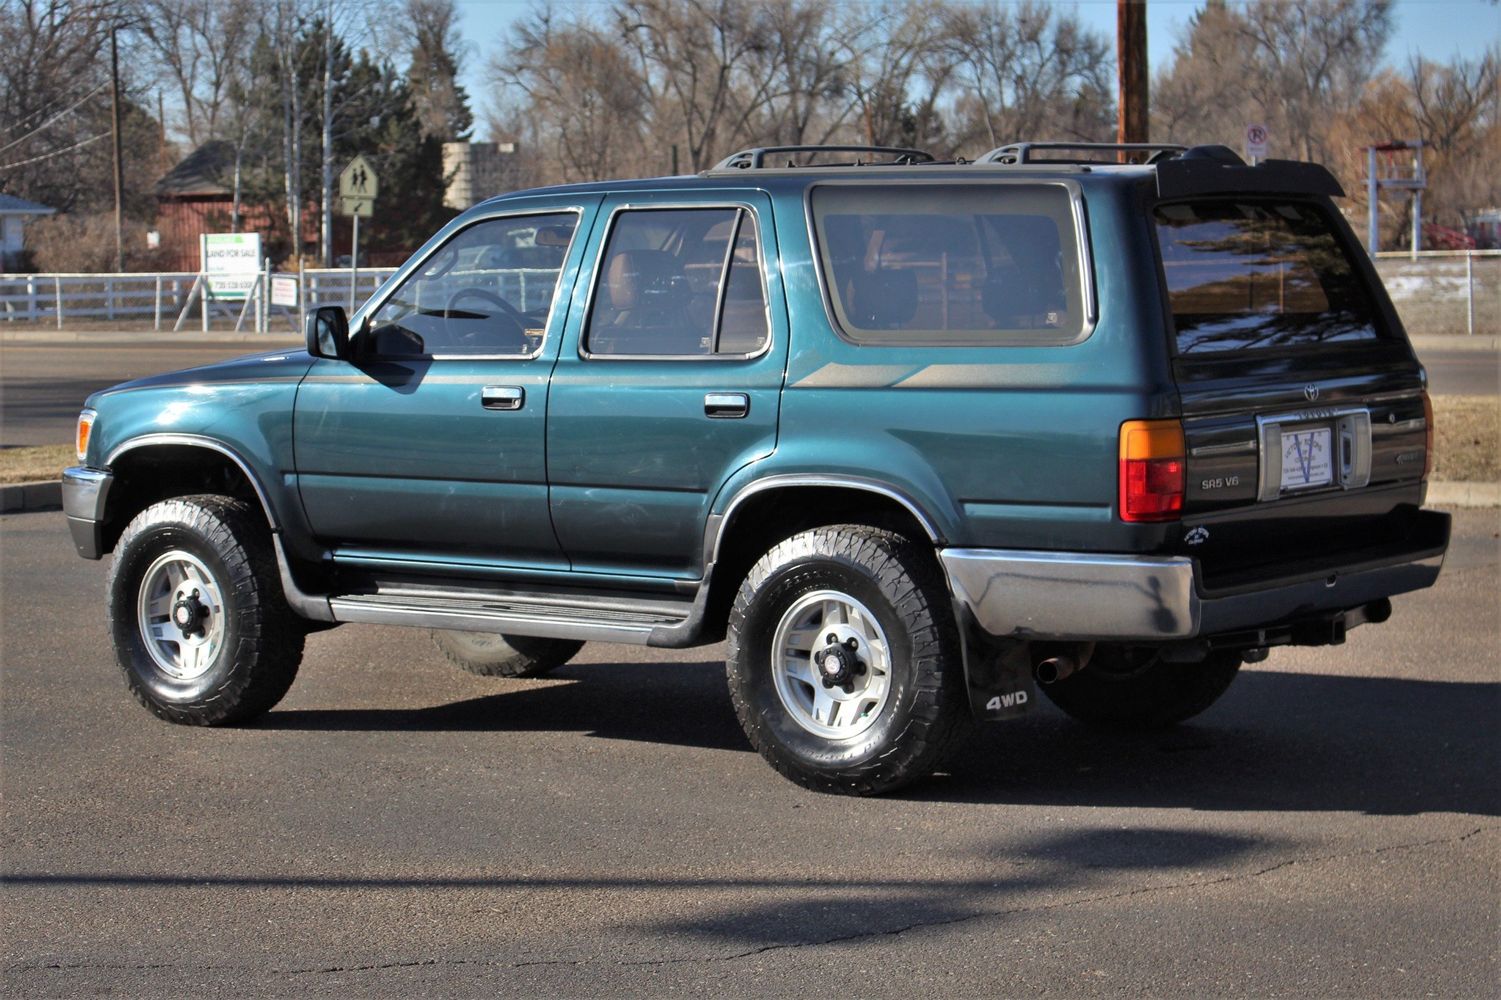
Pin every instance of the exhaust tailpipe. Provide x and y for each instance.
(1062, 662)
(1054, 669)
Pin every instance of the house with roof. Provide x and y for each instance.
(15, 213)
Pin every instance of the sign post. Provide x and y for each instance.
(358, 187)
(1256, 143)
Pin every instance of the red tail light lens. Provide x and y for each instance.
(1427, 435)
(1151, 470)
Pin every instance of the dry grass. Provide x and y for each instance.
(1468, 445)
(30, 465)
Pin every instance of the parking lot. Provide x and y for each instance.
(399, 827)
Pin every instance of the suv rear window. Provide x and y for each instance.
(1258, 274)
(958, 264)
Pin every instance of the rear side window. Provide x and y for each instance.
(680, 283)
(958, 264)
(1258, 274)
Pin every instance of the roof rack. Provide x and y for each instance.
(1021, 152)
(755, 159)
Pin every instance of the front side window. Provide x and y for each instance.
(486, 292)
(1258, 274)
(679, 283)
(958, 264)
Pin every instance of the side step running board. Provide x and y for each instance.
(549, 617)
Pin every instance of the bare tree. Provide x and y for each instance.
(899, 71)
(1313, 58)
(696, 57)
(203, 46)
(1298, 67)
(808, 61)
(1031, 73)
(55, 107)
(584, 99)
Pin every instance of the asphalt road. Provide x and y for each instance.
(397, 827)
(44, 385)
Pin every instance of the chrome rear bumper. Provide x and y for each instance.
(1084, 596)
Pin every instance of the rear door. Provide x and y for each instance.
(1304, 406)
(669, 380)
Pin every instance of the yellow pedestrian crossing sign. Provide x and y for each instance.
(358, 187)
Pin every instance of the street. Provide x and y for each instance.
(46, 384)
(396, 826)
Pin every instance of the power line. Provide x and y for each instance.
(55, 152)
(47, 124)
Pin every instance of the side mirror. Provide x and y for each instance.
(328, 332)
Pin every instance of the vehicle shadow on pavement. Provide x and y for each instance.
(1035, 873)
(682, 704)
(1276, 741)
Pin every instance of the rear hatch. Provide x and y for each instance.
(1304, 412)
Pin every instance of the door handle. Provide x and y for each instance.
(502, 397)
(726, 405)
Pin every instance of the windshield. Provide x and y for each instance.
(1257, 275)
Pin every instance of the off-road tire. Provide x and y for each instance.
(490, 654)
(925, 708)
(1123, 689)
(261, 639)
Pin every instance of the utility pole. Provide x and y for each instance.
(1131, 71)
(114, 69)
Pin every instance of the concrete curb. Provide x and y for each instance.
(22, 498)
(1464, 494)
(1455, 342)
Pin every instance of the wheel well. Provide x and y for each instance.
(144, 476)
(771, 516)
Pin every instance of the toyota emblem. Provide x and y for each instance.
(1310, 392)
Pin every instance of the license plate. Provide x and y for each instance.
(1307, 458)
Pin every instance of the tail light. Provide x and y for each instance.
(1427, 435)
(1151, 487)
(85, 427)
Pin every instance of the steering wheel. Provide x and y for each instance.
(517, 318)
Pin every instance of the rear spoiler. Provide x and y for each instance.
(1217, 170)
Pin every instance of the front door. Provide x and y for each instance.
(427, 451)
(669, 379)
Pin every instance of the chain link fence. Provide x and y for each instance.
(1445, 292)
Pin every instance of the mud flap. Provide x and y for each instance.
(998, 675)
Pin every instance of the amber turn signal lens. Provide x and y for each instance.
(85, 428)
(1151, 470)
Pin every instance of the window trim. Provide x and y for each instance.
(1088, 300)
(597, 275)
(417, 262)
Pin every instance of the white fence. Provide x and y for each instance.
(1457, 292)
(169, 300)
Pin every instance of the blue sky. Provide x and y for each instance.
(1436, 29)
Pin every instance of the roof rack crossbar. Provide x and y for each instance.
(755, 158)
(1021, 152)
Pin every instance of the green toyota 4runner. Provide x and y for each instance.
(919, 438)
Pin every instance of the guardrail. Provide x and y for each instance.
(1442, 291)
